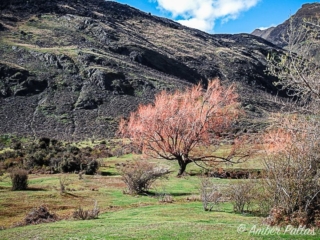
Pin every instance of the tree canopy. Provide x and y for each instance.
(187, 126)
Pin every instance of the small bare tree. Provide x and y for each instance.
(210, 194)
(64, 181)
(242, 195)
(298, 67)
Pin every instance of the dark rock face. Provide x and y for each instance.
(160, 62)
(19, 82)
(70, 69)
(2, 28)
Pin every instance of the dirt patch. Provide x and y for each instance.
(236, 173)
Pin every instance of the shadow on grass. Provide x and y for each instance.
(169, 193)
(67, 194)
(35, 189)
(180, 194)
(109, 174)
(31, 189)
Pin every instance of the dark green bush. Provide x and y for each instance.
(92, 167)
(72, 149)
(69, 164)
(13, 162)
(16, 145)
(54, 155)
(54, 142)
(19, 179)
(44, 143)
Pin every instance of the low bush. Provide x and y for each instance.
(19, 179)
(69, 163)
(163, 195)
(140, 174)
(263, 199)
(291, 162)
(279, 217)
(39, 215)
(242, 195)
(58, 157)
(82, 214)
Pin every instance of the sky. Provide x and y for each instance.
(222, 16)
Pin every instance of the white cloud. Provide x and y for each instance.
(264, 28)
(202, 14)
(201, 24)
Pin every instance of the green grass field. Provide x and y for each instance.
(124, 216)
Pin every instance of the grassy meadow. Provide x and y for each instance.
(124, 216)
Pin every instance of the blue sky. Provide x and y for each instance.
(222, 16)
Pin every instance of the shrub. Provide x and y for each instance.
(166, 198)
(80, 213)
(279, 217)
(92, 167)
(264, 200)
(16, 144)
(63, 182)
(13, 162)
(44, 142)
(69, 163)
(210, 194)
(140, 174)
(242, 195)
(54, 142)
(163, 195)
(19, 179)
(39, 157)
(292, 176)
(39, 215)
(36, 155)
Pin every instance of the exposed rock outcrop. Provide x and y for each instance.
(71, 68)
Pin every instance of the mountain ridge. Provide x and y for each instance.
(71, 69)
(277, 35)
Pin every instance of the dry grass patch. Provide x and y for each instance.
(44, 189)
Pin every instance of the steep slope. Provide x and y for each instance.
(265, 34)
(278, 35)
(69, 69)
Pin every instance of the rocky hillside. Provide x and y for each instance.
(70, 68)
(278, 34)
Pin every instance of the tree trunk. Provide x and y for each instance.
(183, 162)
